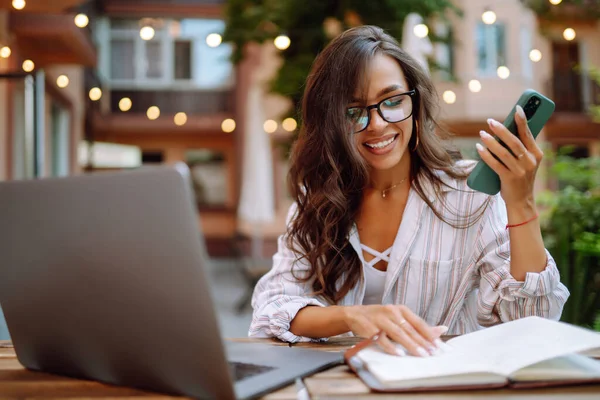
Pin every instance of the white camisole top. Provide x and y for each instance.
(374, 278)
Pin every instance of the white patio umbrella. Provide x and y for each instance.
(256, 201)
(418, 48)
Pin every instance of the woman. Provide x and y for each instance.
(385, 238)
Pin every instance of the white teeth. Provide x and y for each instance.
(381, 145)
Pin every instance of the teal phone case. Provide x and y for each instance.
(483, 178)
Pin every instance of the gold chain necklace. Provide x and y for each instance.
(383, 192)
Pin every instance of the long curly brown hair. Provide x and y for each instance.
(327, 175)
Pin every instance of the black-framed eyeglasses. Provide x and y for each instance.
(393, 109)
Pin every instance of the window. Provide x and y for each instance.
(59, 143)
(566, 81)
(176, 57)
(491, 47)
(526, 46)
(183, 59)
(153, 67)
(444, 56)
(122, 64)
(22, 151)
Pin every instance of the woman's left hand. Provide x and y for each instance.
(517, 170)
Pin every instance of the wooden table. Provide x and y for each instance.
(336, 383)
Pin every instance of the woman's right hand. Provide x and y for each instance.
(394, 324)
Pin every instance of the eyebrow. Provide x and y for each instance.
(389, 89)
(384, 91)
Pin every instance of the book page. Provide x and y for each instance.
(388, 368)
(592, 353)
(510, 346)
(571, 366)
(500, 350)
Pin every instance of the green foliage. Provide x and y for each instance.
(567, 9)
(311, 25)
(571, 229)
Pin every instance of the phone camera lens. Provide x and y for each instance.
(531, 106)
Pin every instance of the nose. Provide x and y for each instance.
(376, 123)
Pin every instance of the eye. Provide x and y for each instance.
(393, 101)
(354, 113)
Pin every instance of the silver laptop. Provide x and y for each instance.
(103, 277)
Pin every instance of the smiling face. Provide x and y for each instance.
(384, 144)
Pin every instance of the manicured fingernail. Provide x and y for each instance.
(484, 135)
(401, 352)
(421, 351)
(493, 122)
(441, 345)
(479, 147)
(520, 112)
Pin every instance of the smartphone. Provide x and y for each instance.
(538, 110)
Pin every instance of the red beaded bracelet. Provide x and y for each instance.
(522, 223)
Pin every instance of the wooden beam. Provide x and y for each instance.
(188, 9)
(43, 6)
(572, 128)
(53, 39)
(130, 124)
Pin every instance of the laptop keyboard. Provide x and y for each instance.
(240, 370)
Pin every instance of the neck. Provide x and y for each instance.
(384, 179)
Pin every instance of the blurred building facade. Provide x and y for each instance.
(42, 124)
(150, 81)
(534, 52)
(168, 92)
(171, 90)
(39, 44)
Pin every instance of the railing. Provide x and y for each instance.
(571, 93)
(173, 101)
(567, 92)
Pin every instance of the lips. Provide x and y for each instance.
(382, 142)
(383, 145)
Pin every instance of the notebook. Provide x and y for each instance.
(528, 352)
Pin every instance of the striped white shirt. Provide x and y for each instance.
(449, 276)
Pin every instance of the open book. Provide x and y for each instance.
(527, 352)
